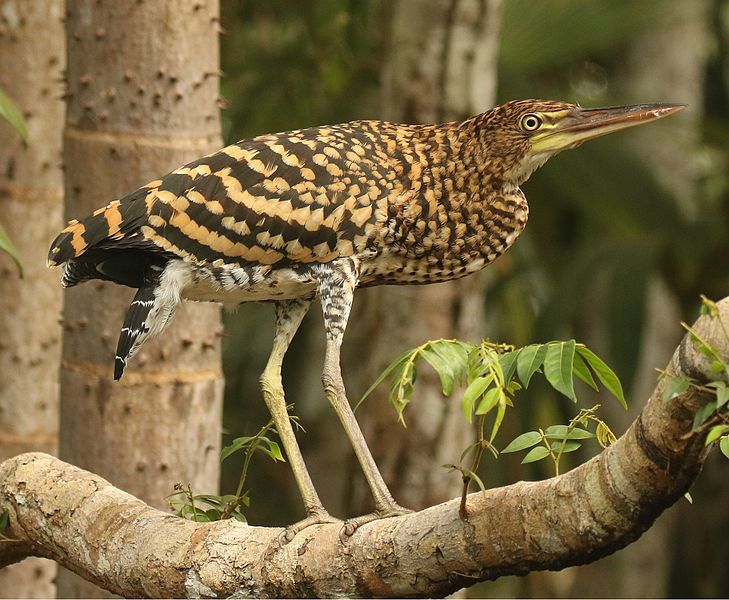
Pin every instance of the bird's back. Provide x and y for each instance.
(405, 200)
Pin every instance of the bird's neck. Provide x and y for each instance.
(466, 151)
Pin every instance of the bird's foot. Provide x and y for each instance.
(319, 517)
(351, 525)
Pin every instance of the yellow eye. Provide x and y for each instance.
(530, 122)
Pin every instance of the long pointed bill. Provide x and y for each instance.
(576, 126)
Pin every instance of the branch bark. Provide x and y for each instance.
(106, 535)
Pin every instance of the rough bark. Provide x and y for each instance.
(142, 100)
(31, 204)
(112, 538)
(441, 65)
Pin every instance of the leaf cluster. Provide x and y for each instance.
(492, 374)
(714, 415)
(557, 440)
(208, 507)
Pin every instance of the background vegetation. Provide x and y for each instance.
(618, 246)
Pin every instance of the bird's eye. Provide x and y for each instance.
(530, 122)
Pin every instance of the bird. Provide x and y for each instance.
(319, 212)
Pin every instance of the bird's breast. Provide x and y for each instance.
(429, 240)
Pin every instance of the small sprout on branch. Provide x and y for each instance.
(4, 523)
(206, 507)
(713, 416)
(557, 440)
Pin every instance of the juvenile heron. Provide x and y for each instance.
(313, 212)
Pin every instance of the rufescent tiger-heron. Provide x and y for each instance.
(286, 217)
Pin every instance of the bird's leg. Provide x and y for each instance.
(336, 290)
(289, 315)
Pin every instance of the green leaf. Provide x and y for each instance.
(535, 454)
(523, 441)
(12, 115)
(561, 432)
(676, 386)
(272, 449)
(724, 446)
(604, 374)
(475, 389)
(508, 363)
(716, 432)
(583, 372)
(489, 400)
(722, 395)
(213, 514)
(567, 447)
(401, 388)
(389, 369)
(454, 353)
(702, 414)
(558, 367)
(442, 368)
(6, 245)
(499, 415)
(530, 359)
(4, 520)
(604, 435)
(236, 445)
(471, 475)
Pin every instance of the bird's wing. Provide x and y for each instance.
(297, 197)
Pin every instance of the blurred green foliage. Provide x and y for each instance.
(289, 64)
(10, 113)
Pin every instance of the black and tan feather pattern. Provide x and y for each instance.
(313, 195)
(409, 203)
(321, 211)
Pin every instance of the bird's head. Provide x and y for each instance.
(522, 135)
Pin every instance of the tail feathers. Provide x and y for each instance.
(150, 312)
(116, 221)
(77, 272)
(135, 329)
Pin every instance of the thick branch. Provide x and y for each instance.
(110, 537)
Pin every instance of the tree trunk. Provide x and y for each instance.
(441, 65)
(30, 210)
(142, 100)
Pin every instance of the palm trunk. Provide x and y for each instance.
(30, 210)
(143, 94)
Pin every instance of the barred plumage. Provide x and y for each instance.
(321, 211)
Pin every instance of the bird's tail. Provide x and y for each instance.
(115, 222)
(150, 312)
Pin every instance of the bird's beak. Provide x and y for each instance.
(570, 128)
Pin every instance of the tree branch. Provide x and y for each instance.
(116, 541)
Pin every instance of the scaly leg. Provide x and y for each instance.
(289, 315)
(336, 284)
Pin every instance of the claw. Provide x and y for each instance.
(352, 525)
(288, 534)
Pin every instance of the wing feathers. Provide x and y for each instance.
(298, 197)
